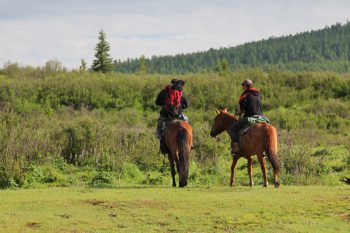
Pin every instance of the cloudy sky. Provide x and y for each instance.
(35, 31)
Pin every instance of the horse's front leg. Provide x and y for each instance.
(172, 168)
(234, 162)
(250, 171)
(263, 169)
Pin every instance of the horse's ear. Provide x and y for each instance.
(217, 111)
(225, 110)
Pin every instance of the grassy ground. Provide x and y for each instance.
(199, 209)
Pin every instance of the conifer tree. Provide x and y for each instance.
(103, 63)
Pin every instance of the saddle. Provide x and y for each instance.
(251, 121)
(166, 123)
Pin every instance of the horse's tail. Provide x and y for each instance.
(271, 148)
(182, 140)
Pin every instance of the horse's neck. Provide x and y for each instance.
(229, 121)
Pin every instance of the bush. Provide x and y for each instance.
(37, 175)
(132, 174)
(102, 178)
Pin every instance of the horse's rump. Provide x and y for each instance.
(178, 139)
(172, 131)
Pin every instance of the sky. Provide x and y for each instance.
(33, 32)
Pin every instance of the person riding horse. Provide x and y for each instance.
(173, 102)
(250, 104)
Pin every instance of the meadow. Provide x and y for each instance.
(164, 209)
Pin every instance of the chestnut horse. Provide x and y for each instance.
(260, 138)
(178, 139)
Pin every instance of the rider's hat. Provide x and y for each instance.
(173, 81)
(179, 84)
(247, 82)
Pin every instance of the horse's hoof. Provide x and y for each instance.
(277, 184)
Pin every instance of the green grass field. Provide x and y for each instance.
(163, 209)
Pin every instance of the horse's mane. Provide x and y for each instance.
(230, 115)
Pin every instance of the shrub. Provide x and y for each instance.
(132, 174)
(102, 178)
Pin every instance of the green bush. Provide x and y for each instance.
(132, 174)
(102, 178)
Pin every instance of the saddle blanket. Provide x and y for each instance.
(251, 120)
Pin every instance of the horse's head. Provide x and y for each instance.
(221, 122)
(218, 126)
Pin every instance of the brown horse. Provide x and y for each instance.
(260, 138)
(178, 139)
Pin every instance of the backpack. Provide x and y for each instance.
(173, 102)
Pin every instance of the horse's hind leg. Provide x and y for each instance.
(172, 169)
(250, 171)
(263, 169)
(234, 162)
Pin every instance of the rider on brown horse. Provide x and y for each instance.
(250, 104)
(172, 101)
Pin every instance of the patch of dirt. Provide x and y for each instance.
(344, 216)
(147, 202)
(95, 202)
(113, 215)
(121, 205)
(67, 216)
(33, 225)
(162, 224)
(122, 226)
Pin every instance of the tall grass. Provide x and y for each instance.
(97, 124)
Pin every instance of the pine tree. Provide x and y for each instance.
(103, 63)
(222, 67)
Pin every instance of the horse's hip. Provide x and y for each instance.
(257, 138)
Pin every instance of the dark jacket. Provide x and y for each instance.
(160, 101)
(250, 102)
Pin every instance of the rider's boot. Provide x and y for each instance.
(234, 148)
(163, 148)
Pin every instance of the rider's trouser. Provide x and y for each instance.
(237, 126)
(162, 121)
(160, 124)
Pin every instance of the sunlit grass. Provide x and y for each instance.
(200, 209)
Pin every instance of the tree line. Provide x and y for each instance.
(327, 49)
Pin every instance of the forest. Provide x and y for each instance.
(327, 49)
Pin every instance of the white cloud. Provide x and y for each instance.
(35, 31)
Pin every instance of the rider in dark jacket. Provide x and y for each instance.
(165, 115)
(250, 104)
(160, 101)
